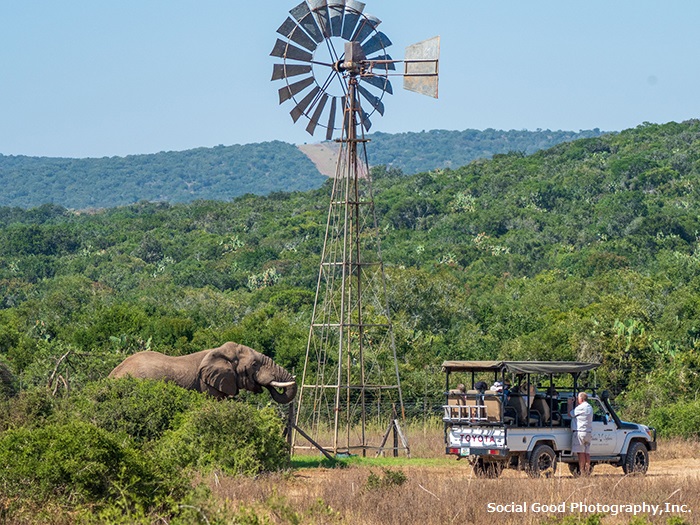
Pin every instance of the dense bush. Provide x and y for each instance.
(141, 409)
(680, 419)
(32, 408)
(75, 462)
(127, 448)
(231, 436)
(7, 382)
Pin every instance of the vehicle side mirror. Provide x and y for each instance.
(605, 395)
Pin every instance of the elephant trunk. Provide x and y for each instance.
(286, 396)
(281, 379)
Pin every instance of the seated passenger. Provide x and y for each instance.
(461, 389)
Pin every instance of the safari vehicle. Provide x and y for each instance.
(527, 426)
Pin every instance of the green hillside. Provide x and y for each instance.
(588, 250)
(220, 173)
(428, 150)
(226, 172)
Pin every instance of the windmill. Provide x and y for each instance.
(336, 71)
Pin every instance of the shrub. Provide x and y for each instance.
(681, 419)
(141, 408)
(31, 408)
(391, 478)
(230, 435)
(75, 462)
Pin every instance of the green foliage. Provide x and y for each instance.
(142, 409)
(231, 436)
(32, 408)
(124, 449)
(389, 479)
(588, 250)
(417, 152)
(8, 385)
(681, 419)
(75, 461)
(203, 173)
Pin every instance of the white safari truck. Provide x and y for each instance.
(526, 425)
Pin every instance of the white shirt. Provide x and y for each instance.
(582, 418)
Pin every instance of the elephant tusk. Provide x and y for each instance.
(277, 384)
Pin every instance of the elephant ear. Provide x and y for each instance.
(219, 372)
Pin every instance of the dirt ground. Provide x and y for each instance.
(675, 468)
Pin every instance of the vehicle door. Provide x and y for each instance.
(604, 431)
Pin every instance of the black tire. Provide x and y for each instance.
(487, 469)
(575, 472)
(637, 459)
(542, 462)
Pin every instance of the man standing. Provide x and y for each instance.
(582, 433)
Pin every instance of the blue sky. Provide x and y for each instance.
(92, 78)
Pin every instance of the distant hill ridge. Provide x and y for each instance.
(226, 172)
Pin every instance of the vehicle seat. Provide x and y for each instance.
(476, 398)
(492, 402)
(541, 405)
(519, 403)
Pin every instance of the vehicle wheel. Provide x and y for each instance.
(487, 469)
(575, 472)
(637, 459)
(543, 462)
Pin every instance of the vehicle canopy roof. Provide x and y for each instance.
(520, 367)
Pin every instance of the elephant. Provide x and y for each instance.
(220, 372)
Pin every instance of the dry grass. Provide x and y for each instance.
(446, 491)
(677, 448)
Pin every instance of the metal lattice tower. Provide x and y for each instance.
(351, 376)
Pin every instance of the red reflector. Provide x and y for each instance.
(493, 452)
(454, 451)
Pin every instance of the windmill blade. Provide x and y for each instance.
(320, 10)
(388, 66)
(353, 12)
(293, 32)
(289, 70)
(379, 82)
(366, 122)
(300, 108)
(374, 101)
(331, 119)
(336, 11)
(377, 43)
(366, 26)
(313, 121)
(288, 51)
(303, 15)
(289, 91)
